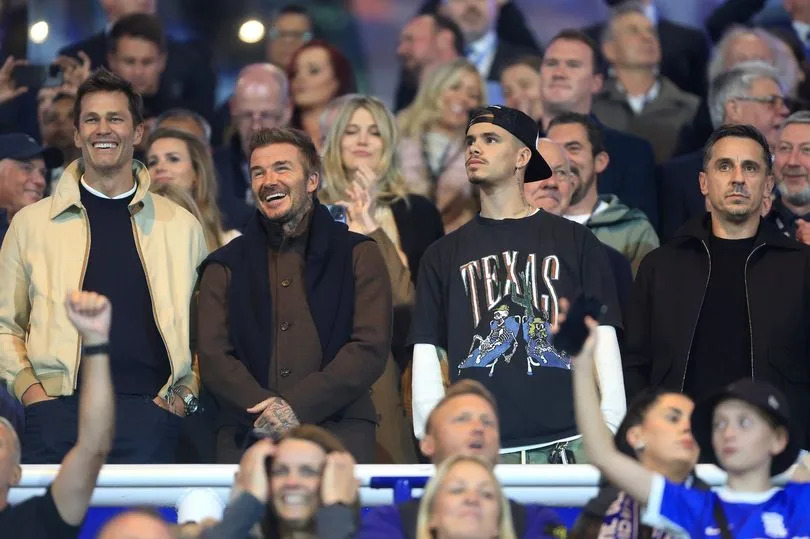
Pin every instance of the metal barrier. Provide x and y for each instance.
(163, 485)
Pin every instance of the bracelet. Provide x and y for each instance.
(96, 349)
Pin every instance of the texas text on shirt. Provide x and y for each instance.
(778, 512)
(489, 293)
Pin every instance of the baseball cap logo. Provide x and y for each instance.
(773, 402)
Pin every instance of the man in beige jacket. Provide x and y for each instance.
(103, 231)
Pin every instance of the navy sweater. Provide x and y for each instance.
(138, 358)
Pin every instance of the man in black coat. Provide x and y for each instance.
(188, 77)
(571, 74)
(684, 50)
(729, 296)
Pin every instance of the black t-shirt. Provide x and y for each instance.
(35, 518)
(721, 351)
(488, 294)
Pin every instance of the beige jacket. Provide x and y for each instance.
(44, 256)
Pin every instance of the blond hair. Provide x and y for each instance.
(418, 118)
(506, 529)
(204, 191)
(391, 185)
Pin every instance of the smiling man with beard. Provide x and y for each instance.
(295, 315)
(729, 296)
(791, 210)
(102, 231)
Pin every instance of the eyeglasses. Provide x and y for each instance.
(773, 101)
(266, 118)
(304, 36)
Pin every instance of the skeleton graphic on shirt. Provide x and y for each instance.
(507, 332)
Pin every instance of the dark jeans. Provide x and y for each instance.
(144, 432)
(12, 410)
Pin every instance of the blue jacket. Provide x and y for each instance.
(399, 521)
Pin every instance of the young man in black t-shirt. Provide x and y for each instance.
(60, 511)
(488, 296)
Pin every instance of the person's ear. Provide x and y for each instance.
(600, 162)
(313, 181)
(597, 81)
(779, 441)
(523, 158)
(609, 50)
(16, 476)
(731, 112)
(767, 187)
(139, 130)
(428, 446)
(703, 181)
(635, 438)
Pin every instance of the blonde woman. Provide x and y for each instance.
(361, 171)
(181, 159)
(432, 145)
(464, 499)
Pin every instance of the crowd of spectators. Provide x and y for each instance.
(304, 278)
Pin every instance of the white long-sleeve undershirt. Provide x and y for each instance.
(428, 389)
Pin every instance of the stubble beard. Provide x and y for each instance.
(797, 198)
(290, 222)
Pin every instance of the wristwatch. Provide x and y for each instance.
(191, 403)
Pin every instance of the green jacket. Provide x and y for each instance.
(625, 229)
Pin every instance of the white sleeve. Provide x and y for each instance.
(426, 385)
(608, 362)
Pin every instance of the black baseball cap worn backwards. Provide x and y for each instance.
(523, 128)
(760, 395)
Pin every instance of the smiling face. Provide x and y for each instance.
(464, 425)
(295, 480)
(743, 439)
(361, 143)
(169, 161)
(458, 99)
(280, 185)
(314, 83)
(567, 78)
(467, 503)
(22, 182)
(106, 134)
(585, 166)
(735, 180)
(792, 164)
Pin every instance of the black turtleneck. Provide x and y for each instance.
(138, 358)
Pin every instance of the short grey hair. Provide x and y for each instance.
(802, 117)
(783, 59)
(190, 115)
(737, 82)
(630, 6)
(16, 448)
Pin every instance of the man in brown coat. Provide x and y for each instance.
(295, 315)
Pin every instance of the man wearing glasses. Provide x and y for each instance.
(260, 100)
(750, 93)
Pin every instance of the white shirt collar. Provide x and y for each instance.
(481, 53)
(483, 44)
(99, 194)
(802, 29)
(638, 102)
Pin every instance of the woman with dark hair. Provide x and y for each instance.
(304, 485)
(318, 73)
(655, 431)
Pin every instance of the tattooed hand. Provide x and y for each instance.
(276, 415)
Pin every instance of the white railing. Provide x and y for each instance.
(164, 485)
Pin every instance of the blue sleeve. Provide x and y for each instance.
(542, 522)
(678, 509)
(381, 523)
